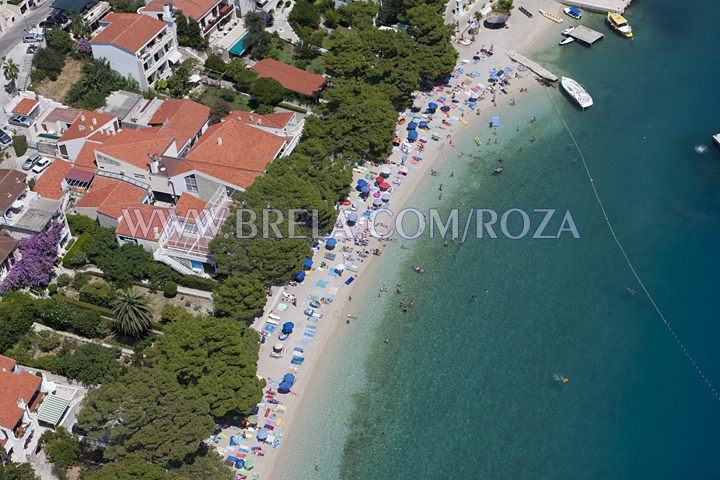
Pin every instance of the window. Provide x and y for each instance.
(191, 184)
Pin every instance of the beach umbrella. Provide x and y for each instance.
(287, 328)
(386, 197)
(412, 135)
(240, 463)
(377, 202)
(432, 106)
(352, 218)
(412, 126)
(340, 267)
(289, 378)
(330, 244)
(396, 141)
(262, 434)
(376, 194)
(423, 125)
(365, 189)
(361, 183)
(278, 347)
(384, 186)
(385, 172)
(444, 108)
(308, 263)
(380, 179)
(300, 277)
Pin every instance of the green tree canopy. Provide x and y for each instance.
(149, 413)
(356, 121)
(59, 40)
(238, 73)
(92, 364)
(61, 447)
(17, 313)
(17, 471)
(132, 313)
(240, 297)
(217, 357)
(358, 15)
(188, 32)
(131, 467)
(267, 92)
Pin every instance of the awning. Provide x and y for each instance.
(194, 78)
(79, 175)
(175, 56)
(52, 409)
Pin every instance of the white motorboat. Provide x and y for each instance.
(577, 92)
(566, 40)
(573, 12)
(567, 31)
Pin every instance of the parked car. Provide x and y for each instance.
(20, 120)
(33, 38)
(5, 139)
(31, 161)
(56, 20)
(41, 165)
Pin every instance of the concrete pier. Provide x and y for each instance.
(533, 66)
(586, 35)
(601, 6)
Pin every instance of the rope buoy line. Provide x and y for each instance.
(689, 356)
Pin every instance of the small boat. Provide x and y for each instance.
(559, 377)
(477, 140)
(552, 17)
(567, 31)
(499, 170)
(566, 40)
(573, 12)
(577, 92)
(619, 24)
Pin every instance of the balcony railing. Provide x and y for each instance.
(222, 13)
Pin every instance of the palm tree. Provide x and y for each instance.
(132, 313)
(11, 70)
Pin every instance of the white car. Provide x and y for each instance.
(41, 165)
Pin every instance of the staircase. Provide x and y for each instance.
(160, 256)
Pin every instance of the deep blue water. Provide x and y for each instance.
(465, 389)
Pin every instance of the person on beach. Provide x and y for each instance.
(349, 298)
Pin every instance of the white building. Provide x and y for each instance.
(136, 45)
(210, 14)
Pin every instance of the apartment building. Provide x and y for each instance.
(137, 45)
(209, 14)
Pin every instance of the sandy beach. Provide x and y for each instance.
(323, 284)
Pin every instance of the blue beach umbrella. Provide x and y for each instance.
(361, 183)
(412, 135)
(432, 106)
(423, 125)
(330, 244)
(300, 277)
(287, 328)
(262, 434)
(308, 263)
(411, 126)
(352, 218)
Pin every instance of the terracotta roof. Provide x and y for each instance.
(49, 183)
(83, 125)
(7, 245)
(190, 8)
(110, 196)
(141, 221)
(25, 106)
(129, 31)
(13, 387)
(289, 77)
(7, 363)
(67, 115)
(234, 152)
(271, 120)
(189, 206)
(135, 146)
(182, 119)
(12, 184)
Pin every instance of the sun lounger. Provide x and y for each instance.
(273, 316)
(272, 321)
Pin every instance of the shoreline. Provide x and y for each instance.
(519, 38)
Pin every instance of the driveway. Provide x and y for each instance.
(13, 35)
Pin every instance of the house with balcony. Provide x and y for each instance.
(24, 213)
(140, 46)
(30, 404)
(210, 14)
(8, 253)
(87, 126)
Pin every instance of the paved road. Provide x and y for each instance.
(13, 36)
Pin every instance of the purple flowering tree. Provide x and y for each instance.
(83, 46)
(38, 254)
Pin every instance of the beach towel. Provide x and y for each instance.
(270, 328)
(322, 283)
(349, 280)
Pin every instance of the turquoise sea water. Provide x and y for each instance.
(465, 389)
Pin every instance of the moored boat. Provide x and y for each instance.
(619, 24)
(567, 31)
(573, 12)
(566, 40)
(552, 17)
(577, 92)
